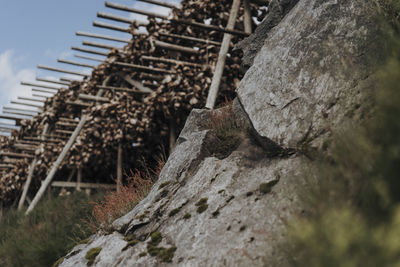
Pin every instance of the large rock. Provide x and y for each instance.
(313, 70)
(242, 224)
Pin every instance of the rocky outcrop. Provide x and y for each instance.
(314, 70)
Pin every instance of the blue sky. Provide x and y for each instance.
(39, 32)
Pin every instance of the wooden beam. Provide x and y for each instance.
(19, 113)
(25, 147)
(63, 131)
(68, 120)
(247, 17)
(101, 36)
(122, 89)
(135, 10)
(111, 27)
(31, 99)
(138, 85)
(8, 166)
(160, 3)
(22, 110)
(42, 96)
(83, 185)
(7, 130)
(93, 98)
(90, 58)
(70, 80)
(57, 164)
(76, 63)
(219, 69)
(189, 38)
(90, 51)
(65, 124)
(77, 103)
(51, 81)
(25, 104)
(119, 168)
(120, 19)
(62, 70)
(43, 91)
(179, 48)
(12, 118)
(140, 67)
(79, 179)
(171, 61)
(42, 86)
(15, 155)
(104, 46)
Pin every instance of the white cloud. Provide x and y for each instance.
(11, 77)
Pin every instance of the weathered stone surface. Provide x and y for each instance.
(241, 225)
(313, 69)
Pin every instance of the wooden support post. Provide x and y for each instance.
(172, 136)
(138, 85)
(111, 27)
(62, 70)
(51, 81)
(57, 164)
(161, 3)
(1, 210)
(101, 36)
(216, 81)
(119, 168)
(31, 171)
(174, 47)
(90, 58)
(75, 63)
(247, 17)
(79, 179)
(90, 51)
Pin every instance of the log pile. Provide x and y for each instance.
(152, 83)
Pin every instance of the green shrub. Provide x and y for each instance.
(52, 229)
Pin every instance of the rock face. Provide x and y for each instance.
(313, 71)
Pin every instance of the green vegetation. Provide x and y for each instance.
(164, 184)
(266, 187)
(187, 216)
(229, 134)
(91, 255)
(354, 205)
(53, 228)
(142, 254)
(132, 241)
(174, 212)
(202, 205)
(164, 254)
(58, 262)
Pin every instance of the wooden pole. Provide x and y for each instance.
(161, 3)
(140, 67)
(43, 91)
(87, 43)
(20, 109)
(179, 48)
(12, 118)
(134, 10)
(189, 38)
(25, 104)
(42, 86)
(119, 168)
(216, 81)
(120, 19)
(62, 70)
(31, 171)
(52, 81)
(101, 36)
(79, 179)
(57, 164)
(93, 98)
(171, 61)
(137, 84)
(111, 27)
(247, 17)
(172, 136)
(31, 99)
(90, 58)
(76, 63)
(42, 96)
(18, 113)
(90, 51)
(122, 89)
